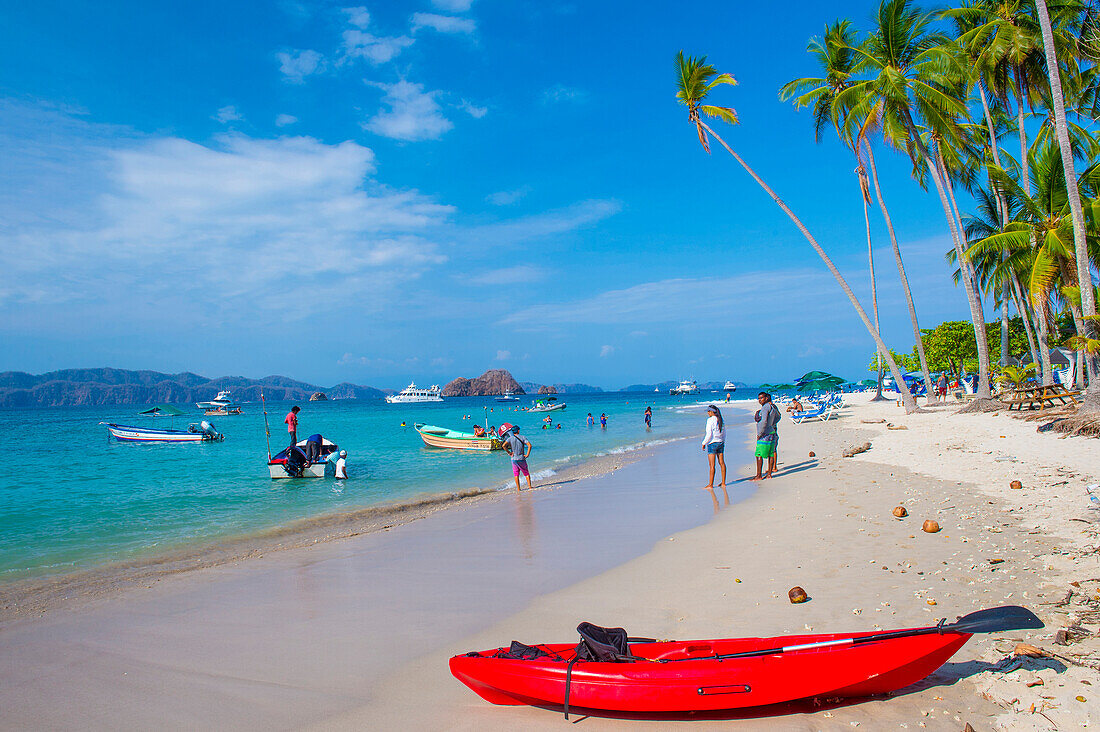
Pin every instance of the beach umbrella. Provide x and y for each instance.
(163, 410)
(868, 382)
(818, 376)
(820, 384)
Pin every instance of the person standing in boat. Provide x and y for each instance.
(519, 449)
(714, 443)
(292, 424)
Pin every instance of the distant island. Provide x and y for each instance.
(107, 386)
(81, 387)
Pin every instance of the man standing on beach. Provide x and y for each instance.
(292, 424)
(767, 436)
(519, 449)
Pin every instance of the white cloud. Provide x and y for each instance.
(507, 198)
(282, 120)
(413, 114)
(359, 17)
(503, 355)
(473, 110)
(247, 219)
(638, 334)
(442, 23)
(377, 50)
(228, 114)
(297, 65)
(606, 351)
(545, 224)
(561, 93)
(507, 276)
(453, 6)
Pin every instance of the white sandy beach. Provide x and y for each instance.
(356, 633)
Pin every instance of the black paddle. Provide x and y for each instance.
(993, 620)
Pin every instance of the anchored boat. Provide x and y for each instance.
(221, 401)
(202, 432)
(550, 405)
(608, 671)
(442, 437)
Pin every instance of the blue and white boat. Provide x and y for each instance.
(202, 432)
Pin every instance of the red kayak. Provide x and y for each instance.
(684, 676)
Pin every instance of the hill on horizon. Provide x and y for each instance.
(108, 386)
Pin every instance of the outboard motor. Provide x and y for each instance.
(296, 462)
(209, 433)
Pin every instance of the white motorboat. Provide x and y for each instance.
(730, 386)
(685, 387)
(294, 462)
(508, 396)
(549, 405)
(413, 394)
(221, 402)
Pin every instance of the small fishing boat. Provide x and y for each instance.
(202, 432)
(221, 401)
(442, 437)
(293, 462)
(610, 672)
(222, 412)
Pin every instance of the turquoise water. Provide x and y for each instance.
(90, 500)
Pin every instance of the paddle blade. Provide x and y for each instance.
(996, 620)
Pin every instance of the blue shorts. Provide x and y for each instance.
(716, 448)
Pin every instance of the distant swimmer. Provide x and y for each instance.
(603, 420)
(591, 421)
(342, 466)
(403, 424)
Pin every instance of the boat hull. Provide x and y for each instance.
(458, 441)
(699, 684)
(316, 470)
(397, 399)
(125, 433)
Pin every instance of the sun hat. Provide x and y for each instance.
(504, 427)
(343, 453)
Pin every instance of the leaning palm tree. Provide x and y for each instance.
(1080, 242)
(837, 61)
(695, 80)
(912, 78)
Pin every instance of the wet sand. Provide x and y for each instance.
(290, 638)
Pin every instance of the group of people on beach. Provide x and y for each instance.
(767, 439)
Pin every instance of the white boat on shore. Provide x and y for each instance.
(221, 402)
(413, 394)
(685, 387)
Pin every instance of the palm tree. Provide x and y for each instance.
(1080, 242)
(695, 80)
(911, 79)
(837, 60)
(1016, 375)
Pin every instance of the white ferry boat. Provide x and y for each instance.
(685, 387)
(730, 386)
(412, 394)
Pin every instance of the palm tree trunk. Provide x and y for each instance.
(1004, 327)
(901, 271)
(989, 125)
(1041, 312)
(865, 196)
(1024, 310)
(1080, 242)
(976, 313)
(907, 399)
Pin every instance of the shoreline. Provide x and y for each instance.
(37, 595)
(827, 524)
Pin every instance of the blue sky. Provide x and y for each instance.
(382, 192)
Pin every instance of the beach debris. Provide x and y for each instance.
(930, 527)
(1015, 485)
(813, 454)
(930, 602)
(900, 512)
(797, 595)
(857, 449)
(872, 421)
(896, 426)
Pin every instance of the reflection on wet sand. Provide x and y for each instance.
(714, 497)
(525, 524)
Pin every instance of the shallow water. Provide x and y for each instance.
(91, 500)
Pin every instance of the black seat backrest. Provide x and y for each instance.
(602, 644)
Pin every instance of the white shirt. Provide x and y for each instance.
(713, 434)
(341, 468)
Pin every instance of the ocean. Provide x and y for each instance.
(92, 500)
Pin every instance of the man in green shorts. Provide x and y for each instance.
(767, 436)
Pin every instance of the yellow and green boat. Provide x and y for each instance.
(453, 439)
